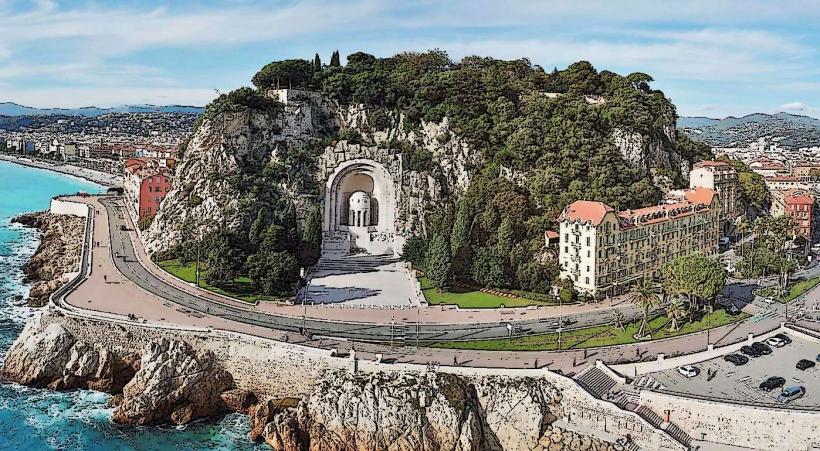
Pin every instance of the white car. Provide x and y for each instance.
(689, 371)
(768, 300)
(776, 342)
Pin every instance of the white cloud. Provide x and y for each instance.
(798, 106)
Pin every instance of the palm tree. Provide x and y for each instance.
(676, 311)
(645, 296)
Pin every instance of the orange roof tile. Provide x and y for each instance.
(587, 210)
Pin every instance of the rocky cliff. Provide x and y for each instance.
(56, 257)
(170, 383)
(652, 152)
(432, 411)
(232, 144)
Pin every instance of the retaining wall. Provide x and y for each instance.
(66, 207)
(739, 425)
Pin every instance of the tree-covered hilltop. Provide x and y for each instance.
(554, 129)
(544, 139)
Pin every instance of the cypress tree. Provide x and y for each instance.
(317, 63)
(439, 266)
(334, 59)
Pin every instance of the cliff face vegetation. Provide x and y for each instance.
(492, 151)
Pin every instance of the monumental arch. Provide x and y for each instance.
(360, 209)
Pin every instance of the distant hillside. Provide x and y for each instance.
(13, 109)
(795, 131)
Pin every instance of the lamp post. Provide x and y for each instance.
(305, 281)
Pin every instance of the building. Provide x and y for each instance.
(799, 205)
(603, 251)
(146, 184)
(768, 168)
(785, 182)
(803, 170)
(720, 177)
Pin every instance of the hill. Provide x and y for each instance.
(13, 109)
(792, 131)
(485, 154)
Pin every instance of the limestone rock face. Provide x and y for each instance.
(57, 255)
(52, 357)
(428, 411)
(233, 144)
(38, 357)
(651, 152)
(174, 384)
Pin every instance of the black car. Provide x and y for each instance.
(784, 337)
(750, 351)
(737, 359)
(804, 364)
(772, 383)
(761, 348)
(733, 310)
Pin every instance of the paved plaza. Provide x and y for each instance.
(361, 280)
(742, 383)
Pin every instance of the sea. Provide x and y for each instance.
(35, 419)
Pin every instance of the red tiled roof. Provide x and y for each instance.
(798, 197)
(587, 210)
(703, 196)
(551, 234)
(781, 178)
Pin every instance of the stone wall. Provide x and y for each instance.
(739, 425)
(67, 207)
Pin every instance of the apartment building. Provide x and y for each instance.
(146, 184)
(799, 204)
(603, 251)
(720, 177)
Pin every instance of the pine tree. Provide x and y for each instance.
(317, 63)
(334, 59)
(460, 239)
(311, 246)
(439, 266)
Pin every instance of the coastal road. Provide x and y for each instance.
(127, 263)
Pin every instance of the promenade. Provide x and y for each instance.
(124, 282)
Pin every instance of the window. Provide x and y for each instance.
(587, 241)
(586, 280)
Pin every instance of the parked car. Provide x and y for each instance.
(791, 393)
(776, 342)
(772, 383)
(689, 371)
(805, 364)
(733, 310)
(785, 338)
(761, 348)
(737, 359)
(750, 351)
(818, 358)
(768, 300)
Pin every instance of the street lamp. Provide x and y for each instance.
(304, 281)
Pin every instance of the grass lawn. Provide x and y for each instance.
(800, 288)
(466, 298)
(604, 335)
(241, 288)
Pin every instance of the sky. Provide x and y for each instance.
(711, 57)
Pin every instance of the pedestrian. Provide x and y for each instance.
(585, 353)
(105, 278)
(455, 361)
(574, 362)
(535, 365)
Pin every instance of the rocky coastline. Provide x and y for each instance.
(57, 255)
(171, 381)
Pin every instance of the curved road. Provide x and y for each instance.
(126, 262)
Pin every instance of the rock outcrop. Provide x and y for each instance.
(171, 383)
(174, 384)
(430, 411)
(650, 153)
(53, 358)
(57, 256)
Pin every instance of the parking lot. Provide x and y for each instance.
(741, 383)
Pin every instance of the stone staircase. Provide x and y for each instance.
(595, 381)
(671, 428)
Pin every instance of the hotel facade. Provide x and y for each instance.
(603, 251)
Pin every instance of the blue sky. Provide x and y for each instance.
(712, 58)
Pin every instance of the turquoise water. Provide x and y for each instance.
(33, 419)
